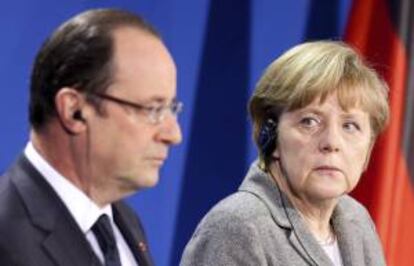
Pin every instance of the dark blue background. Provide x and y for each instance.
(221, 48)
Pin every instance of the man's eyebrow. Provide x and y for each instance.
(159, 99)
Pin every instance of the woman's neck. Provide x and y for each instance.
(315, 213)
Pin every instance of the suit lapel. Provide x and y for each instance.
(64, 242)
(285, 216)
(302, 239)
(133, 233)
(349, 237)
(67, 247)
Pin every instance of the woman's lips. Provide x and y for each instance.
(327, 169)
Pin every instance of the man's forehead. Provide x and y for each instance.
(128, 36)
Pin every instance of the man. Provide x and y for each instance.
(103, 115)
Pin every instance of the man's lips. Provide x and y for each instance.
(158, 158)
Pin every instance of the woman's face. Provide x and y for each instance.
(323, 149)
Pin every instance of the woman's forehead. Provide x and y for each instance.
(330, 105)
(353, 97)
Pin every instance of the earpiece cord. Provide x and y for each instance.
(286, 211)
(88, 158)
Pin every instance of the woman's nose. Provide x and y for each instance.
(330, 139)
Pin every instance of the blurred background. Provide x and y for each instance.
(221, 48)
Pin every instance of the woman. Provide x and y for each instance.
(316, 113)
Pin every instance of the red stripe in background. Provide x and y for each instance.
(385, 188)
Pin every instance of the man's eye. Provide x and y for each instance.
(155, 109)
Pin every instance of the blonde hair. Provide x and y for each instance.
(315, 70)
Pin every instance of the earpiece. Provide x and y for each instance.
(78, 115)
(267, 137)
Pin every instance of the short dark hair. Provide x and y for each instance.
(79, 55)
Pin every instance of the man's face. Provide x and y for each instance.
(126, 149)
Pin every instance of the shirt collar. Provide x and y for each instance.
(82, 208)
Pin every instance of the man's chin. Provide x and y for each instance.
(148, 181)
(151, 181)
(135, 183)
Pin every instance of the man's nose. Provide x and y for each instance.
(170, 131)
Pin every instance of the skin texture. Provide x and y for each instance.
(112, 154)
(321, 153)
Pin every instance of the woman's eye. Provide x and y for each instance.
(351, 126)
(309, 121)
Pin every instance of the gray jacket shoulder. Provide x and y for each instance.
(355, 213)
(228, 234)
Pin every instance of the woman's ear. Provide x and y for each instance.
(267, 137)
(276, 153)
(69, 103)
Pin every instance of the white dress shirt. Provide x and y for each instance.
(83, 209)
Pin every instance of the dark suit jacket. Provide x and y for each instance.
(37, 229)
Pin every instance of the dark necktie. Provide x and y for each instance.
(106, 239)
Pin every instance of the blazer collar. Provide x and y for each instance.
(349, 233)
(265, 188)
(64, 241)
(133, 233)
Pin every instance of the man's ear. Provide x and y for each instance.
(69, 103)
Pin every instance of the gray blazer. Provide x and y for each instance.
(258, 226)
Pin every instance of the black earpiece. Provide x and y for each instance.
(267, 137)
(78, 115)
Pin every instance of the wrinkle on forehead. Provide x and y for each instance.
(349, 96)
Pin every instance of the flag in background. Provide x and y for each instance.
(383, 32)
